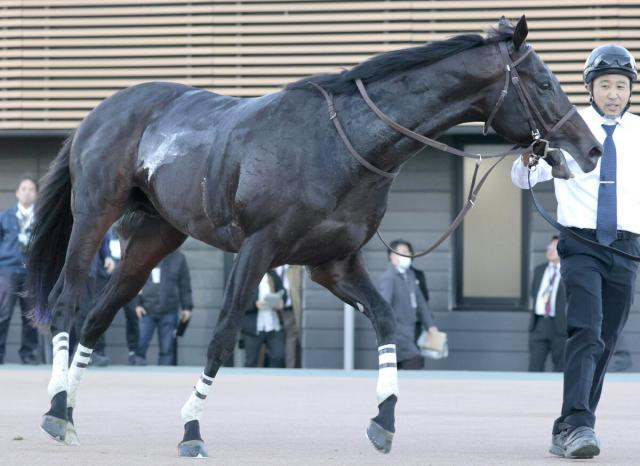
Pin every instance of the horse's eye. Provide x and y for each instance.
(545, 85)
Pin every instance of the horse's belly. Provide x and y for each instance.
(328, 241)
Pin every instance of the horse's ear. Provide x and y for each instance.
(520, 32)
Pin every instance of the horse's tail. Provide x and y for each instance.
(50, 234)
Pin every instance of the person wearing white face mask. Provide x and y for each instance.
(399, 286)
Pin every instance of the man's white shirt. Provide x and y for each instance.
(544, 284)
(578, 197)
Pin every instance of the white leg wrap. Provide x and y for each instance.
(76, 371)
(192, 409)
(59, 368)
(387, 373)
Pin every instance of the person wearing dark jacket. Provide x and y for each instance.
(548, 325)
(132, 326)
(15, 229)
(263, 324)
(400, 287)
(166, 294)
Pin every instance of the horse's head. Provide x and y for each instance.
(532, 99)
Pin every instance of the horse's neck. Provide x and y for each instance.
(427, 101)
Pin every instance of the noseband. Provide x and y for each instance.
(538, 147)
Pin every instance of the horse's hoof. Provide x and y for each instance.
(71, 436)
(379, 437)
(54, 427)
(192, 449)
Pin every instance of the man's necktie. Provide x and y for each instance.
(607, 219)
(548, 293)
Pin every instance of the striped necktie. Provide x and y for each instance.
(548, 293)
(607, 218)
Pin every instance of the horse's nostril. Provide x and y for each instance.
(595, 152)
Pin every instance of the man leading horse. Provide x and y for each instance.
(602, 205)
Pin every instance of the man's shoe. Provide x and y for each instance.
(98, 360)
(30, 360)
(139, 361)
(575, 443)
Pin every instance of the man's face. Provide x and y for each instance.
(403, 249)
(26, 193)
(552, 251)
(611, 93)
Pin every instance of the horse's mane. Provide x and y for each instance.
(385, 64)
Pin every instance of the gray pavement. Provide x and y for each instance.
(128, 416)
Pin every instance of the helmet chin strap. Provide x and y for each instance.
(602, 114)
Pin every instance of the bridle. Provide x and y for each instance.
(528, 105)
(539, 146)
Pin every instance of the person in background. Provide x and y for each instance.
(399, 286)
(291, 278)
(15, 230)
(164, 299)
(621, 359)
(132, 327)
(262, 323)
(424, 289)
(548, 327)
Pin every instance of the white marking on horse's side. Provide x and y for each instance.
(387, 373)
(59, 367)
(192, 409)
(165, 153)
(78, 367)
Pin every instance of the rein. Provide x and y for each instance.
(557, 225)
(539, 147)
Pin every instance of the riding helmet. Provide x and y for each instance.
(609, 59)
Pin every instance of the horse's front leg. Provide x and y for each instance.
(348, 280)
(252, 262)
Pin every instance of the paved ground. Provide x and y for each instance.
(266, 417)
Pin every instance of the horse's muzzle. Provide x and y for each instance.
(595, 152)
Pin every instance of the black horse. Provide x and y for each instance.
(269, 179)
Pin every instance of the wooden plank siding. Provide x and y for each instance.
(60, 58)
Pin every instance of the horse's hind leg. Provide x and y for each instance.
(146, 241)
(95, 207)
(252, 262)
(349, 281)
(86, 235)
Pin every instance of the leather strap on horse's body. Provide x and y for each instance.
(333, 116)
(473, 190)
(538, 146)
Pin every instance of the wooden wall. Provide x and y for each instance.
(60, 58)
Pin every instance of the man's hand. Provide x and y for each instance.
(140, 311)
(109, 265)
(260, 304)
(433, 329)
(185, 315)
